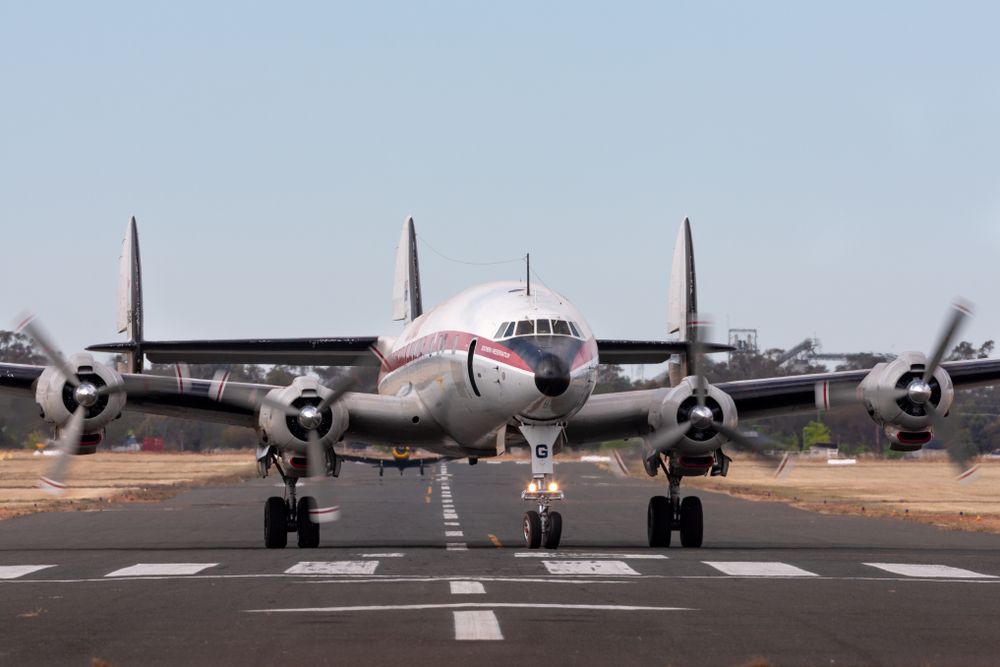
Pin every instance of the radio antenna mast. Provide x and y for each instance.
(527, 261)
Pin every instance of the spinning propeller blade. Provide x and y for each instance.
(54, 481)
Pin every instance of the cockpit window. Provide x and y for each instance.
(503, 327)
(542, 327)
(561, 328)
(510, 330)
(576, 331)
(525, 328)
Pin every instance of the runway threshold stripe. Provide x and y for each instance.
(334, 567)
(758, 569)
(457, 546)
(161, 569)
(930, 571)
(15, 571)
(467, 588)
(601, 568)
(589, 556)
(480, 625)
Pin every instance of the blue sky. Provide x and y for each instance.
(839, 161)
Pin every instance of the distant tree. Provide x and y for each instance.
(814, 433)
(610, 378)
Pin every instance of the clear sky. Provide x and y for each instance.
(839, 161)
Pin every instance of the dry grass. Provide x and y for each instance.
(923, 491)
(98, 480)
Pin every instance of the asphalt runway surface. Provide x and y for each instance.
(432, 570)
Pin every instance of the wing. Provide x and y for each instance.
(620, 415)
(356, 351)
(646, 351)
(373, 419)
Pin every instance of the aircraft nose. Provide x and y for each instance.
(552, 375)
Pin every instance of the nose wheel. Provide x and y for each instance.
(542, 529)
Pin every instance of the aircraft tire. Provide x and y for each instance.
(275, 523)
(692, 522)
(555, 531)
(659, 517)
(308, 531)
(532, 530)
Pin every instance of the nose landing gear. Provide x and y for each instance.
(544, 527)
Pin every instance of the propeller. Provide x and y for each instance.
(85, 395)
(702, 417)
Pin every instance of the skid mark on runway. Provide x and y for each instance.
(603, 568)
(755, 569)
(15, 571)
(334, 567)
(161, 569)
(930, 571)
(479, 625)
(467, 588)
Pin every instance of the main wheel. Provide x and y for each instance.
(308, 531)
(532, 530)
(275, 523)
(659, 516)
(692, 522)
(555, 531)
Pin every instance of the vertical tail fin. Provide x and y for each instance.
(682, 306)
(406, 302)
(130, 298)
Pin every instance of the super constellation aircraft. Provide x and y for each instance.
(496, 365)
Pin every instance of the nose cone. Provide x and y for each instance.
(552, 375)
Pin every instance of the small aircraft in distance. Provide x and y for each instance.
(402, 458)
(498, 365)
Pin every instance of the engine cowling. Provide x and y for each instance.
(281, 427)
(896, 398)
(696, 447)
(58, 399)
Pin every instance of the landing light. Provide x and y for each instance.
(532, 488)
(553, 487)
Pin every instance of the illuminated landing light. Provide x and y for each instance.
(532, 488)
(553, 487)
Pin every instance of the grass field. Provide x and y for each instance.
(104, 478)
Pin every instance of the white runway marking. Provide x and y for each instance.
(389, 555)
(477, 626)
(15, 571)
(763, 569)
(160, 569)
(453, 533)
(452, 523)
(453, 516)
(930, 571)
(471, 605)
(467, 588)
(334, 567)
(602, 568)
(570, 554)
(457, 546)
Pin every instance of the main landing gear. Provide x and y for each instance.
(289, 515)
(669, 513)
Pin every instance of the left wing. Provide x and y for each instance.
(351, 351)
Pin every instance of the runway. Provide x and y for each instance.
(431, 570)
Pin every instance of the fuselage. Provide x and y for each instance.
(490, 357)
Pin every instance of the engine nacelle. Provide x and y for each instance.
(696, 447)
(283, 430)
(896, 398)
(58, 399)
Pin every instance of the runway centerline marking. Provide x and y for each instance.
(930, 571)
(456, 546)
(160, 569)
(467, 588)
(479, 625)
(334, 567)
(589, 556)
(452, 523)
(467, 605)
(758, 569)
(15, 571)
(386, 555)
(453, 533)
(601, 568)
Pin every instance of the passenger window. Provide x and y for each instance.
(500, 331)
(510, 330)
(560, 328)
(543, 327)
(576, 332)
(525, 328)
